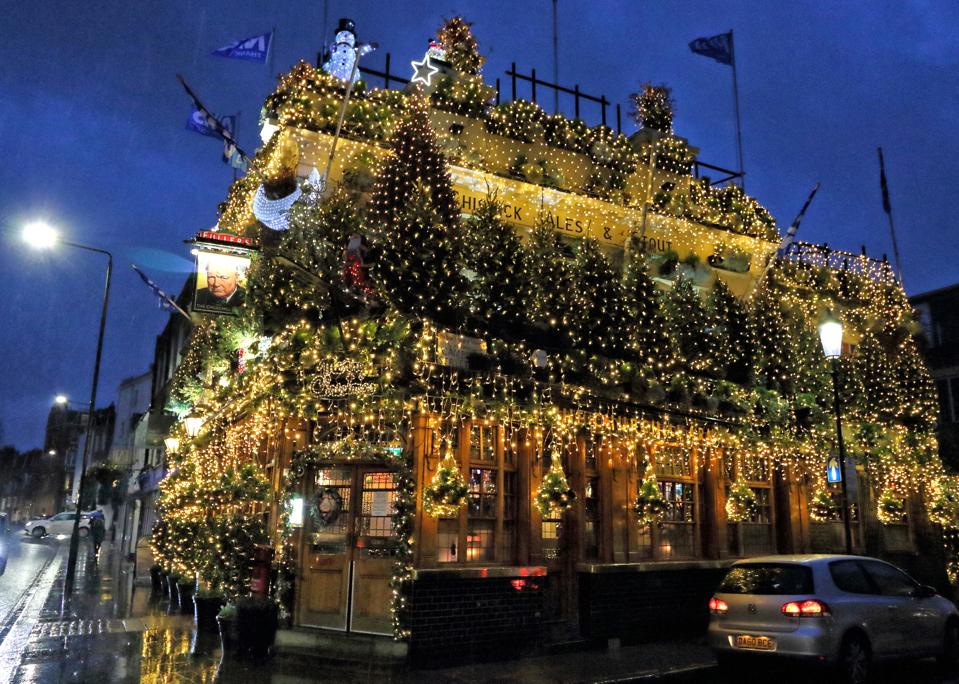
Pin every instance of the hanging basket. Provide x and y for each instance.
(741, 504)
(944, 504)
(447, 493)
(650, 505)
(891, 508)
(554, 495)
(274, 213)
(822, 508)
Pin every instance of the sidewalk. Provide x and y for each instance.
(115, 632)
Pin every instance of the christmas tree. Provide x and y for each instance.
(646, 324)
(415, 224)
(596, 319)
(737, 334)
(496, 261)
(878, 376)
(461, 48)
(550, 282)
(696, 338)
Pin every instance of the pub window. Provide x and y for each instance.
(486, 531)
(551, 526)
(678, 482)
(754, 536)
(591, 515)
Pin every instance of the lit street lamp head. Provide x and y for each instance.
(61, 399)
(39, 235)
(830, 336)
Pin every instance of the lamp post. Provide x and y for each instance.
(830, 336)
(41, 236)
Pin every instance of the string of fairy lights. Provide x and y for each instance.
(569, 342)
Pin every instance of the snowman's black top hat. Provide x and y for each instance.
(346, 25)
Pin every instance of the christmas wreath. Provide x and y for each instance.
(741, 504)
(650, 505)
(446, 494)
(328, 506)
(554, 495)
(891, 508)
(822, 507)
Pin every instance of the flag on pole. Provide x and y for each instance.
(205, 120)
(164, 301)
(886, 207)
(794, 227)
(253, 49)
(718, 47)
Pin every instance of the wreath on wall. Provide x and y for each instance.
(446, 494)
(554, 495)
(650, 504)
(891, 508)
(327, 506)
(944, 504)
(822, 506)
(741, 504)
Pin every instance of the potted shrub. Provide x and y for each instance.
(185, 587)
(207, 604)
(157, 580)
(257, 620)
(226, 622)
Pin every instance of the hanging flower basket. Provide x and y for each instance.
(822, 507)
(446, 494)
(650, 505)
(891, 508)
(741, 504)
(554, 495)
(274, 213)
(944, 504)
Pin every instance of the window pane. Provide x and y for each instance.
(479, 541)
(848, 576)
(891, 581)
(767, 579)
(447, 539)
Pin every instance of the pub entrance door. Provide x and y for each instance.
(348, 546)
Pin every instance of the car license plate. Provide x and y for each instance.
(755, 643)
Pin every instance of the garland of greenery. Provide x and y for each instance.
(352, 450)
(650, 505)
(891, 507)
(741, 504)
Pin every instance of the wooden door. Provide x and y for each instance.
(374, 552)
(327, 548)
(349, 549)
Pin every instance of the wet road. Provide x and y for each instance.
(905, 672)
(25, 559)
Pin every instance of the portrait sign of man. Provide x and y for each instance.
(220, 281)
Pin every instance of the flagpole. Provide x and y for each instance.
(787, 239)
(739, 128)
(888, 209)
(555, 62)
(269, 54)
(339, 120)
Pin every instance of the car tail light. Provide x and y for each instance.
(718, 606)
(808, 608)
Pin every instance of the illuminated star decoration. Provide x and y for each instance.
(424, 71)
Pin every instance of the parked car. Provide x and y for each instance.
(61, 523)
(844, 611)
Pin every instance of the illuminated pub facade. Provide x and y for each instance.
(368, 550)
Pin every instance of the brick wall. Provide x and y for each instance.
(456, 620)
(645, 605)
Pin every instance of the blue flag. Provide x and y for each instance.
(204, 124)
(718, 47)
(255, 49)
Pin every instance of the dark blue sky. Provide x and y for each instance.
(92, 130)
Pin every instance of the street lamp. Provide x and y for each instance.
(40, 235)
(172, 444)
(61, 400)
(830, 336)
(192, 425)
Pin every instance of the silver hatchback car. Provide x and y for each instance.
(845, 611)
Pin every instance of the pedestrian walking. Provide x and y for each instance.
(97, 532)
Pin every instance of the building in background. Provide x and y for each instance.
(939, 316)
(132, 402)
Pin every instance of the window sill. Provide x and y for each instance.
(654, 566)
(481, 572)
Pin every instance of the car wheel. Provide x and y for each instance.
(84, 531)
(37, 532)
(854, 660)
(949, 658)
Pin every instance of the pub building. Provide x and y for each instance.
(368, 537)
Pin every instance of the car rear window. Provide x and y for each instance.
(767, 578)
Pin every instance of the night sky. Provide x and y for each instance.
(92, 129)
